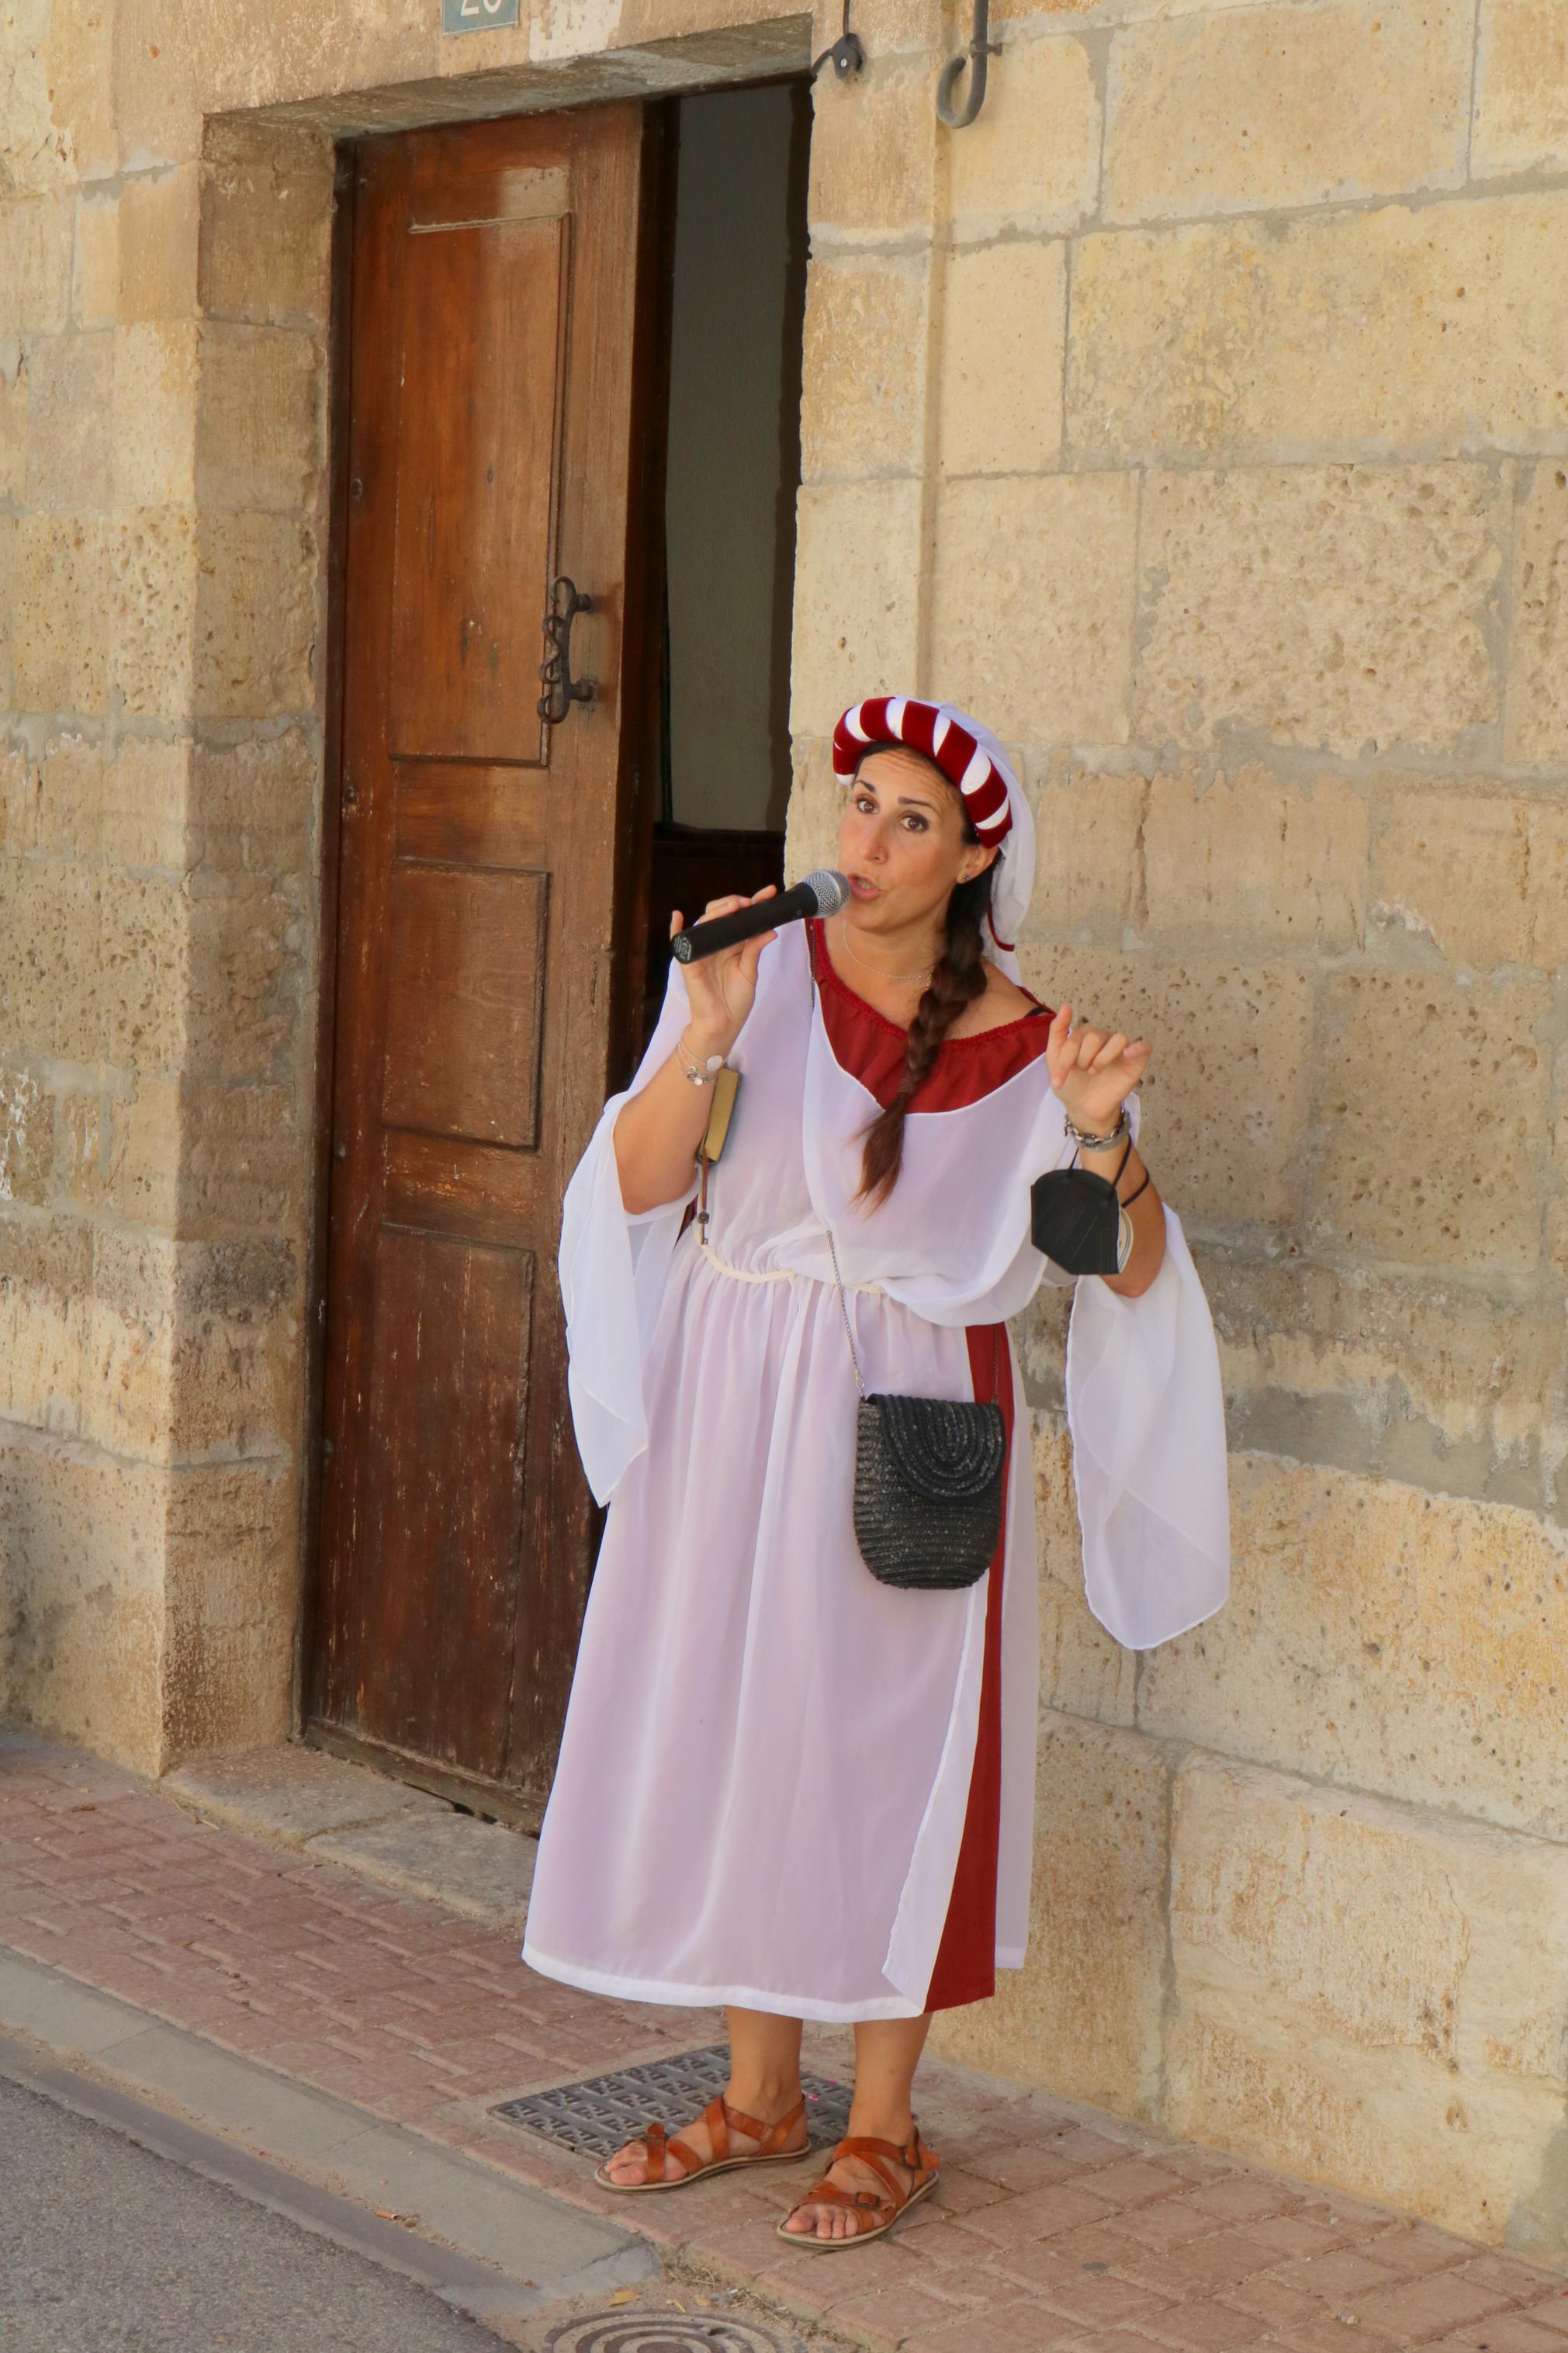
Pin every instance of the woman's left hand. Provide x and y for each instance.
(1093, 1071)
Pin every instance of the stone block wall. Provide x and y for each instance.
(164, 291)
(1237, 486)
(1200, 416)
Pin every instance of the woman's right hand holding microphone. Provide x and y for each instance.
(721, 990)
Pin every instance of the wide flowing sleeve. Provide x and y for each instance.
(612, 1268)
(1146, 1412)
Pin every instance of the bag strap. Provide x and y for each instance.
(844, 1310)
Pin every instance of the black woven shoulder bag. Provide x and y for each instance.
(929, 1479)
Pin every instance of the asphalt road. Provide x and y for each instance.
(106, 2248)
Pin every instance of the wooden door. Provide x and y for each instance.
(485, 924)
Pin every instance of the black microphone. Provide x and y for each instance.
(822, 893)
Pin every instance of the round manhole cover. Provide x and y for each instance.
(664, 2332)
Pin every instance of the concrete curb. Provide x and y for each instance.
(487, 2243)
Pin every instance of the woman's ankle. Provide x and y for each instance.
(770, 2097)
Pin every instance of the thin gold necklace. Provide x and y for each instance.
(897, 976)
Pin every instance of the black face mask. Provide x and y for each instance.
(1075, 1219)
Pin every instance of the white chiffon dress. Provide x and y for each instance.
(771, 1761)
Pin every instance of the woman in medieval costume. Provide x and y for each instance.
(786, 1786)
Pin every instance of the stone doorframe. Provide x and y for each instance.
(210, 1542)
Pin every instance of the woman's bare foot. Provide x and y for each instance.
(628, 2167)
(828, 2220)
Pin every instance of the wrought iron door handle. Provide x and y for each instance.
(561, 689)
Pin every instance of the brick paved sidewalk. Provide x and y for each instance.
(1054, 2228)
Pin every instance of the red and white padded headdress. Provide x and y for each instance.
(970, 756)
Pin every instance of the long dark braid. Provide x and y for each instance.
(958, 978)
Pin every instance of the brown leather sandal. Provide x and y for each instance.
(718, 2115)
(919, 2158)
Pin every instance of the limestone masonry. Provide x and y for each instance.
(1200, 416)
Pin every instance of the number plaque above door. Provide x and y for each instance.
(477, 16)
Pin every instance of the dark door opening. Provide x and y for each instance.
(735, 267)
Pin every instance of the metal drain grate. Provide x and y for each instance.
(665, 2332)
(596, 2116)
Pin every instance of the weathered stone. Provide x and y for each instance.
(156, 106)
(815, 805)
(252, 804)
(35, 264)
(159, 221)
(1381, 1638)
(1341, 608)
(1535, 724)
(265, 243)
(1030, 163)
(1239, 109)
(1231, 1056)
(858, 565)
(256, 616)
(45, 1266)
(1083, 2013)
(232, 1597)
(1044, 649)
(37, 155)
(157, 587)
(18, 777)
(51, 977)
(259, 431)
(1483, 876)
(873, 156)
(1003, 330)
(290, 1794)
(244, 976)
(82, 84)
(1430, 1382)
(154, 413)
(207, 1161)
(1418, 1055)
(69, 469)
(142, 819)
(1521, 89)
(1248, 857)
(1370, 1996)
(1089, 860)
(95, 260)
(84, 1555)
(59, 595)
(482, 1870)
(14, 390)
(145, 960)
(71, 798)
(186, 1347)
(7, 624)
(863, 410)
(1398, 330)
(26, 1135)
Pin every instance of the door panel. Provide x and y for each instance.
(465, 975)
(448, 1390)
(475, 473)
(486, 872)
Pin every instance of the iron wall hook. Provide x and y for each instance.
(847, 54)
(561, 689)
(981, 48)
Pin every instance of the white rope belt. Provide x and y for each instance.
(781, 1274)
